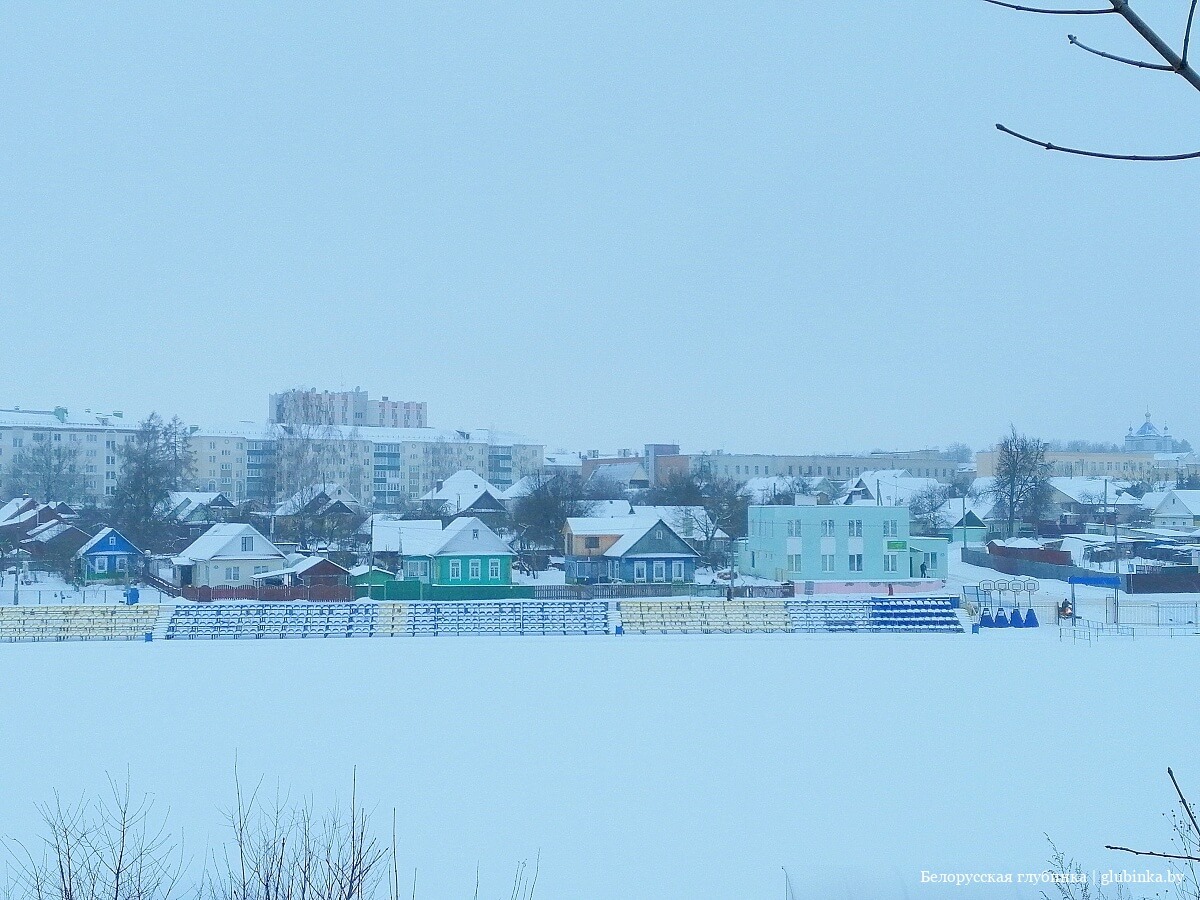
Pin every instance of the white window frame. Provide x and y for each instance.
(475, 568)
(639, 571)
(456, 570)
(660, 571)
(891, 562)
(855, 562)
(493, 570)
(677, 571)
(828, 562)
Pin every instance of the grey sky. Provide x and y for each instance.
(764, 226)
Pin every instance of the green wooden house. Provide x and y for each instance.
(466, 552)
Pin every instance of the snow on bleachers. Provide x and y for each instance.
(305, 620)
(703, 616)
(272, 620)
(56, 622)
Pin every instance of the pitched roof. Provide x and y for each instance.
(104, 534)
(427, 537)
(462, 490)
(218, 543)
(329, 496)
(407, 536)
(623, 473)
(631, 537)
(1087, 489)
(1188, 500)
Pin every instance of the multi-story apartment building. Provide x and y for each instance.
(257, 462)
(383, 467)
(354, 408)
(1130, 466)
(99, 437)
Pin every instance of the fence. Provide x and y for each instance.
(660, 591)
(1025, 567)
(317, 592)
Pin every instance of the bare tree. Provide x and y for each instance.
(112, 848)
(288, 851)
(1173, 62)
(1021, 486)
(48, 470)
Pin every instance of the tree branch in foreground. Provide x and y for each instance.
(1133, 157)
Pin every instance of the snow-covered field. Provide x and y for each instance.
(691, 767)
(666, 767)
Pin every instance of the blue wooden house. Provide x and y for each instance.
(109, 556)
(638, 549)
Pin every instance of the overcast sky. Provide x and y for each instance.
(758, 226)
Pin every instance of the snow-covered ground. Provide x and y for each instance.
(689, 767)
(666, 767)
(43, 588)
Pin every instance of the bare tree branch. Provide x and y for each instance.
(1133, 157)
(1051, 12)
(1187, 33)
(1162, 67)
(1183, 801)
(1152, 853)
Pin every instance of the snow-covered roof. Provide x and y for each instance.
(887, 487)
(391, 535)
(299, 567)
(564, 460)
(1185, 503)
(14, 507)
(686, 521)
(47, 532)
(622, 473)
(950, 513)
(370, 433)
(629, 539)
(300, 500)
(604, 525)
(427, 537)
(607, 509)
(462, 490)
(102, 535)
(224, 542)
(522, 487)
(1151, 499)
(1086, 489)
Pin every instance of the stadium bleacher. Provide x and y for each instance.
(63, 622)
(703, 616)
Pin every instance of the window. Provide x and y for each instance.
(591, 543)
(639, 571)
(112, 540)
(855, 562)
(890, 562)
(248, 544)
(827, 527)
(793, 562)
(855, 527)
(474, 534)
(100, 563)
(122, 563)
(233, 573)
(258, 570)
(475, 569)
(890, 527)
(931, 561)
(493, 570)
(660, 570)
(827, 562)
(677, 571)
(455, 569)
(791, 528)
